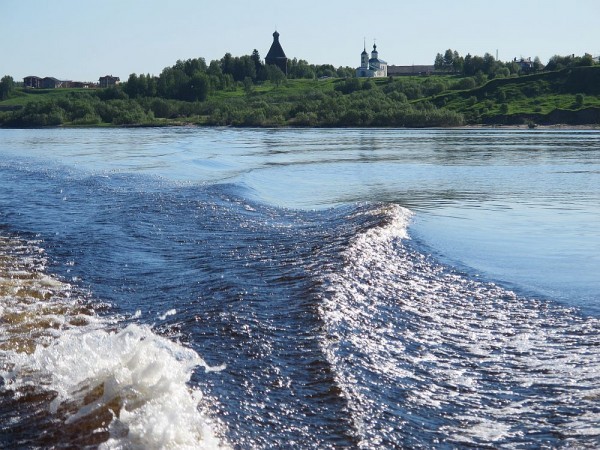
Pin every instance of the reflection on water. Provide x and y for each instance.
(134, 263)
(522, 206)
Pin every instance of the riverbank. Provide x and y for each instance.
(567, 98)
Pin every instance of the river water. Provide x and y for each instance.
(205, 288)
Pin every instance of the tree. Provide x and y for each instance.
(345, 72)
(489, 64)
(325, 70)
(448, 59)
(299, 68)
(227, 64)
(476, 65)
(457, 62)
(586, 60)
(480, 78)
(132, 86)
(214, 69)
(243, 67)
(191, 66)
(513, 67)
(151, 85)
(439, 62)
(468, 67)
(256, 58)
(466, 83)
(197, 87)
(275, 75)
(7, 85)
(558, 62)
(142, 85)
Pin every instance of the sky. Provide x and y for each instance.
(81, 40)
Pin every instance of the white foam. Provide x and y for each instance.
(50, 341)
(144, 374)
(454, 341)
(170, 312)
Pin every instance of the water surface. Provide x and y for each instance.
(303, 288)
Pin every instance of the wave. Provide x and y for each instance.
(100, 381)
(337, 329)
(425, 355)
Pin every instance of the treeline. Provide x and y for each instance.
(194, 80)
(352, 102)
(108, 106)
(369, 105)
(489, 67)
(243, 91)
(7, 86)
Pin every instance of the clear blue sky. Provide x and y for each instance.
(83, 40)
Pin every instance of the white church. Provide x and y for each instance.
(371, 67)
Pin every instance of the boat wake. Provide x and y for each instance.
(72, 375)
(428, 356)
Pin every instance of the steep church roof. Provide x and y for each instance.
(364, 47)
(276, 55)
(276, 51)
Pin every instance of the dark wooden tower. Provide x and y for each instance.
(276, 55)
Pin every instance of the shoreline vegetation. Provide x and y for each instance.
(243, 92)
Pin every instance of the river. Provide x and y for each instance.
(249, 288)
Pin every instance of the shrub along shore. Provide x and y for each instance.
(569, 96)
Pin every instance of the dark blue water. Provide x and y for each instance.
(193, 288)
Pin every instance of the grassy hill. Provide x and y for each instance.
(570, 96)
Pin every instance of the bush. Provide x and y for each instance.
(466, 84)
(130, 113)
(305, 119)
(471, 100)
(348, 86)
(160, 108)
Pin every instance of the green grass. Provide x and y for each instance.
(22, 97)
(506, 100)
(287, 89)
(536, 96)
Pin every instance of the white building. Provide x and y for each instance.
(371, 67)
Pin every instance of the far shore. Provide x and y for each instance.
(175, 124)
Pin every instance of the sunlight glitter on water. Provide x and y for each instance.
(470, 362)
(128, 384)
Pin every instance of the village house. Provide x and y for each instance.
(371, 67)
(526, 65)
(82, 84)
(53, 83)
(33, 82)
(108, 80)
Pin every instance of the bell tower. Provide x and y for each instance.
(364, 58)
(374, 53)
